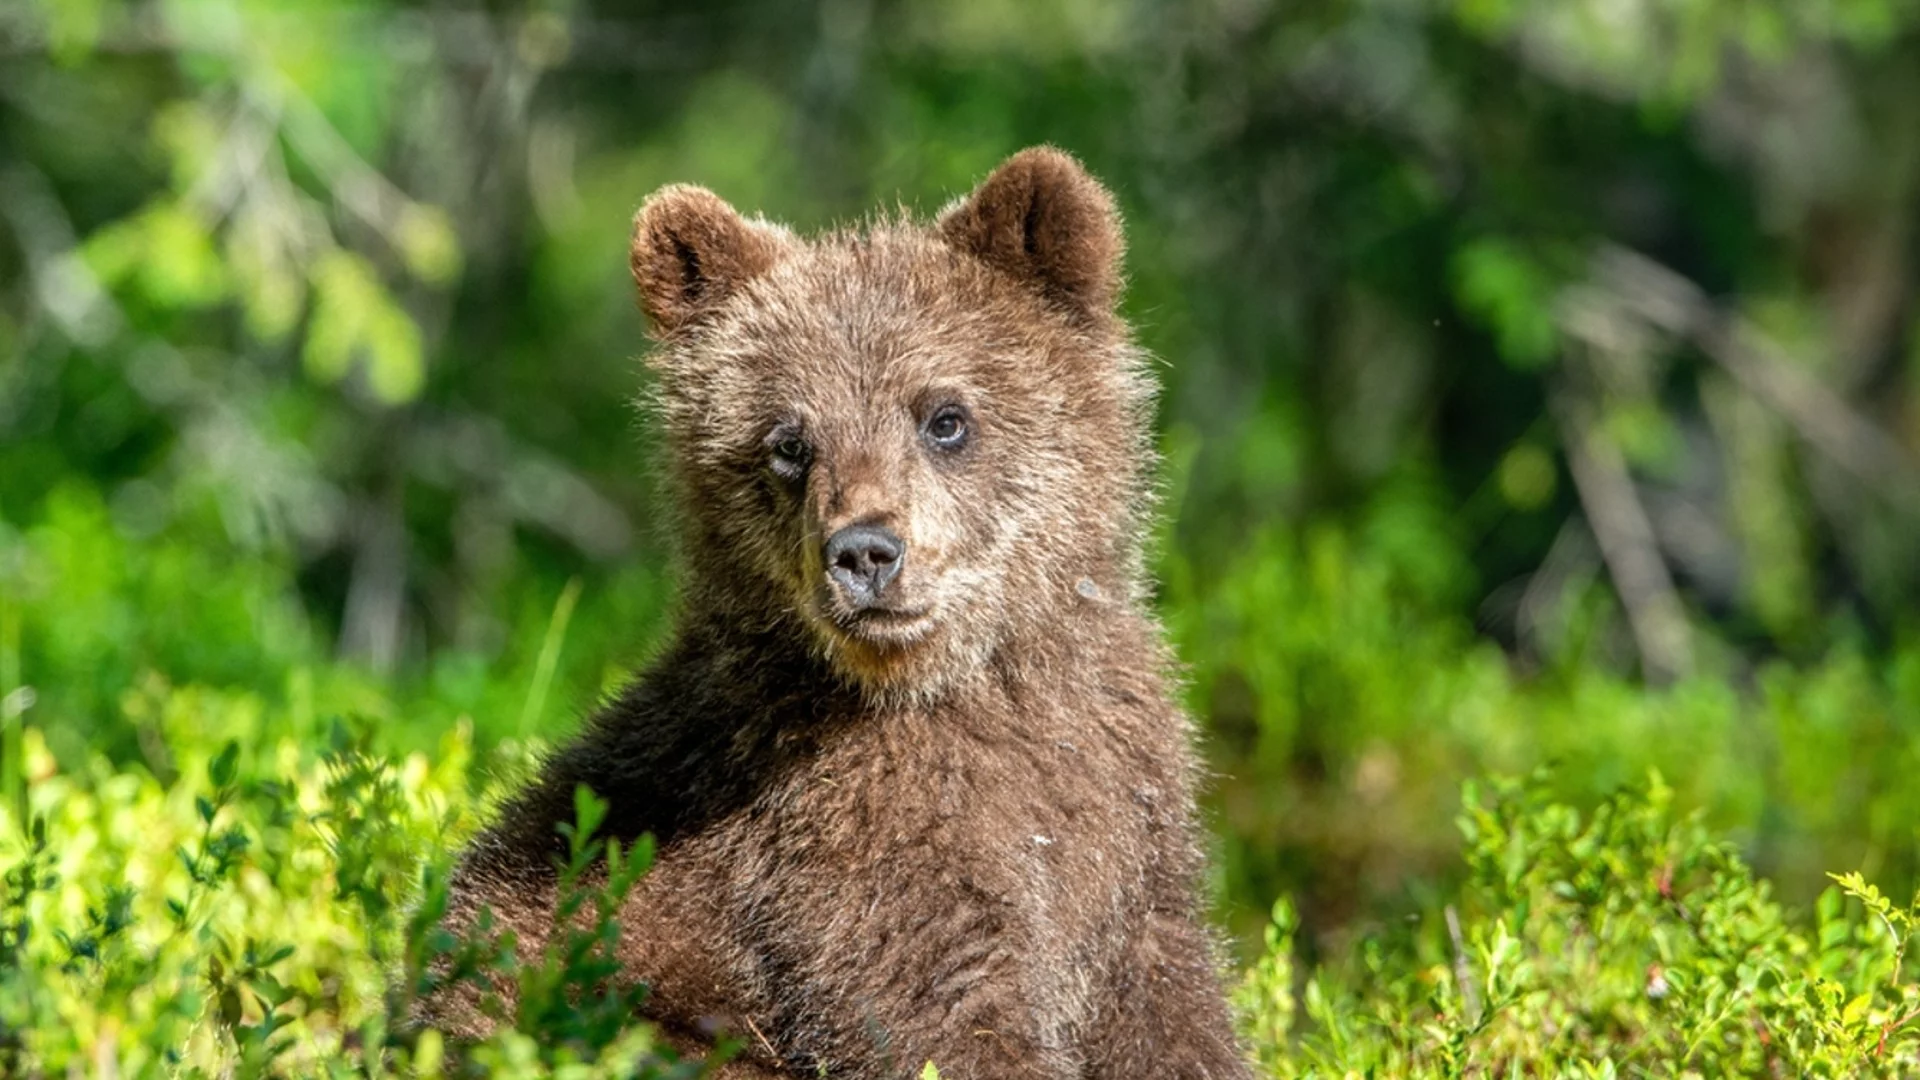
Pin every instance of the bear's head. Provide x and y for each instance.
(917, 444)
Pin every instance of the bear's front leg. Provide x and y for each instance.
(1163, 1014)
(989, 1030)
(514, 900)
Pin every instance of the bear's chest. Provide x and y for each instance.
(866, 841)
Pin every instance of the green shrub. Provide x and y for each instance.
(1625, 942)
(275, 912)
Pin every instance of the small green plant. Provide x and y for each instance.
(573, 995)
(1893, 1005)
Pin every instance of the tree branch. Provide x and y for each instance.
(1822, 418)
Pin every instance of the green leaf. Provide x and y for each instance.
(1527, 477)
(355, 319)
(221, 769)
(1511, 295)
(589, 809)
(426, 240)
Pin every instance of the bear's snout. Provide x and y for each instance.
(862, 560)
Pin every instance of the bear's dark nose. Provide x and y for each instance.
(861, 559)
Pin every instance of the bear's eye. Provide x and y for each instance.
(947, 427)
(791, 454)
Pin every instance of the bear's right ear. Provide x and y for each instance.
(691, 250)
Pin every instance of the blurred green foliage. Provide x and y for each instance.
(1543, 387)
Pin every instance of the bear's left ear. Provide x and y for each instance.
(692, 250)
(1043, 219)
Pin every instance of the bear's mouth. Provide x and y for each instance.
(887, 622)
(885, 627)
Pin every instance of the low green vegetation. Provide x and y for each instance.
(271, 911)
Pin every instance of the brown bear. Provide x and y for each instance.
(912, 760)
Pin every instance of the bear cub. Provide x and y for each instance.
(918, 782)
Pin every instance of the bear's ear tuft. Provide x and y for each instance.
(1042, 218)
(691, 250)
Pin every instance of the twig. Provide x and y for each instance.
(361, 188)
(242, 154)
(14, 700)
(65, 285)
(370, 629)
(1627, 542)
(1462, 971)
(1571, 557)
(1892, 1026)
(764, 1043)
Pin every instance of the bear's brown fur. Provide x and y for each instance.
(955, 826)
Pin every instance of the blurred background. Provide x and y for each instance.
(1542, 381)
